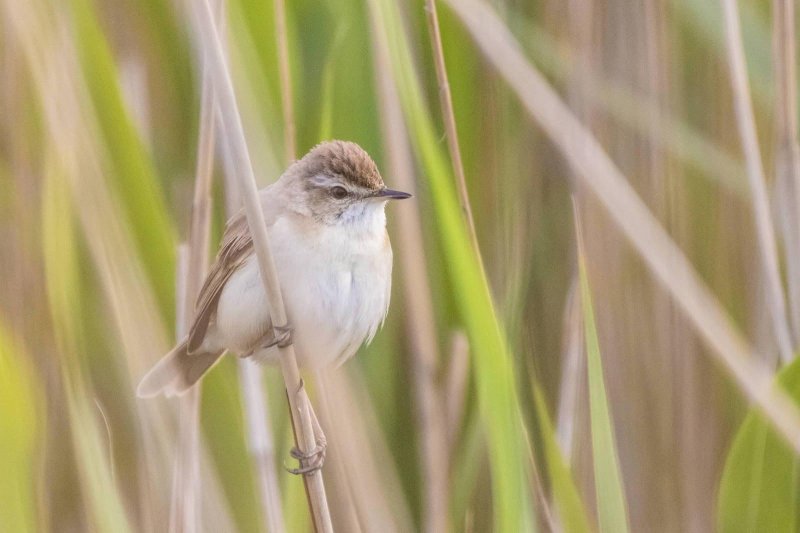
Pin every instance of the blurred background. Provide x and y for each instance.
(471, 409)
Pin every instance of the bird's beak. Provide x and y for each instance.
(390, 194)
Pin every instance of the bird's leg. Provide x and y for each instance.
(312, 460)
(281, 337)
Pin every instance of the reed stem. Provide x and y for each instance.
(287, 105)
(449, 118)
(233, 133)
(195, 266)
(755, 174)
(787, 152)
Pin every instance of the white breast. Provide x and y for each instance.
(336, 283)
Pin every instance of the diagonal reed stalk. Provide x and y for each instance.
(755, 174)
(420, 317)
(610, 187)
(260, 441)
(449, 118)
(787, 153)
(233, 133)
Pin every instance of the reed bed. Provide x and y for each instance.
(596, 302)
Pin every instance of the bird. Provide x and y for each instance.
(326, 223)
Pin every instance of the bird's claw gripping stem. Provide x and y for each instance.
(281, 337)
(311, 461)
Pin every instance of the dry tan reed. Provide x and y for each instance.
(787, 152)
(237, 148)
(261, 444)
(755, 172)
(260, 441)
(183, 513)
(454, 387)
(186, 487)
(572, 374)
(284, 71)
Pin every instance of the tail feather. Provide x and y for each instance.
(176, 372)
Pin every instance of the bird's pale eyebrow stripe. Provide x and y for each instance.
(321, 180)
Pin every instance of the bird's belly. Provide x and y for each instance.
(334, 306)
(334, 313)
(334, 302)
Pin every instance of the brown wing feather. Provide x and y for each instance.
(236, 247)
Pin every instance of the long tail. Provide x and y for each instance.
(176, 372)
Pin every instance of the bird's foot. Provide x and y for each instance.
(310, 461)
(281, 337)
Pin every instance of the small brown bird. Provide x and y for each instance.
(327, 227)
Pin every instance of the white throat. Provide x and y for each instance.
(364, 219)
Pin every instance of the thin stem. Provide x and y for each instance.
(200, 228)
(183, 515)
(755, 174)
(449, 118)
(240, 161)
(455, 384)
(187, 484)
(611, 189)
(281, 35)
(429, 406)
(260, 443)
(571, 373)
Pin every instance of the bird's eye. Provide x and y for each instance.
(339, 192)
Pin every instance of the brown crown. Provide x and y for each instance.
(344, 159)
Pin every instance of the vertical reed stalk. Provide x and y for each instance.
(233, 133)
(455, 383)
(289, 140)
(572, 372)
(185, 515)
(787, 153)
(449, 118)
(420, 317)
(755, 174)
(260, 443)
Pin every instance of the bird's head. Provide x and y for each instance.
(337, 182)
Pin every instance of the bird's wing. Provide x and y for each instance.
(235, 249)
